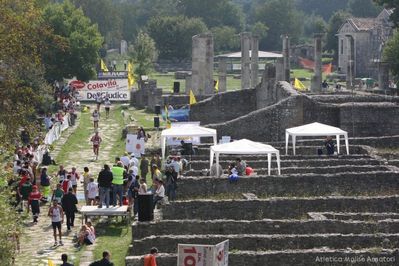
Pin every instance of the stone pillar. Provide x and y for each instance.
(286, 56)
(315, 85)
(202, 64)
(222, 74)
(383, 76)
(280, 74)
(245, 60)
(188, 84)
(350, 73)
(254, 61)
(123, 49)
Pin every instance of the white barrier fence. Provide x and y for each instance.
(52, 135)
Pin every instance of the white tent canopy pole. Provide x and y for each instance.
(246, 147)
(185, 132)
(315, 130)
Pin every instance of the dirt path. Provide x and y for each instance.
(37, 240)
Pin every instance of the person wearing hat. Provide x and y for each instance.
(133, 160)
(125, 159)
(118, 173)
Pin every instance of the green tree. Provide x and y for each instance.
(314, 24)
(363, 8)
(74, 48)
(225, 39)
(22, 89)
(281, 17)
(335, 22)
(143, 53)
(391, 54)
(392, 4)
(213, 12)
(172, 35)
(106, 15)
(259, 29)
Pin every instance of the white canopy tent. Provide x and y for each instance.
(186, 131)
(244, 146)
(315, 129)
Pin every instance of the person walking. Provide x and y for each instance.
(107, 105)
(45, 183)
(34, 200)
(118, 173)
(69, 202)
(156, 160)
(96, 140)
(104, 180)
(96, 118)
(86, 179)
(57, 218)
(144, 163)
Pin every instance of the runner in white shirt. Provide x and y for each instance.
(92, 192)
(57, 218)
(74, 179)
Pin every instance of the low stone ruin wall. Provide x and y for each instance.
(231, 227)
(314, 257)
(224, 106)
(275, 208)
(298, 185)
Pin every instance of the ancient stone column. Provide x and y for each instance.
(286, 56)
(254, 61)
(383, 76)
(245, 60)
(280, 74)
(202, 64)
(315, 85)
(350, 73)
(123, 49)
(222, 74)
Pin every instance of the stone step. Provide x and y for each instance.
(282, 157)
(299, 185)
(230, 227)
(361, 216)
(263, 242)
(199, 165)
(303, 150)
(276, 208)
(307, 257)
(304, 170)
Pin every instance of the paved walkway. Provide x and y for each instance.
(37, 240)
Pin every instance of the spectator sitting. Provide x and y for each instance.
(214, 168)
(240, 166)
(233, 176)
(86, 236)
(105, 260)
(159, 192)
(329, 145)
(64, 258)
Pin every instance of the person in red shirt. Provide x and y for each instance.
(34, 201)
(150, 259)
(96, 140)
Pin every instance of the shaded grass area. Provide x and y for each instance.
(114, 237)
(165, 81)
(143, 118)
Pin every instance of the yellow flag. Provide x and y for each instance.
(103, 66)
(192, 98)
(130, 76)
(168, 123)
(217, 86)
(51, 263)
(299, 85)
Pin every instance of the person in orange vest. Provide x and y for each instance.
(150, 259)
